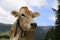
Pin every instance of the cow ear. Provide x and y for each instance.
(35, 14)
(14, 13)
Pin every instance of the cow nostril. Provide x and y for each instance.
(33, 24)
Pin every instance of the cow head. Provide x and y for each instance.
(26, 17)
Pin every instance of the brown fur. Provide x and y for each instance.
(29, 34)
(24, 21)
(29, 13)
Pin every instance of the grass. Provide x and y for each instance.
(4, 33)
(4, 39)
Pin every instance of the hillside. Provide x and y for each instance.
(4, 27)
(41, 32)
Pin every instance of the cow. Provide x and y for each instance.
(24, 27)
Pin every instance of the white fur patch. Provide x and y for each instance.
(16, 38)
(29, 26)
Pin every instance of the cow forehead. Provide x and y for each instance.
(26, 11)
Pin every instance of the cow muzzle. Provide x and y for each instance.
(33, 25)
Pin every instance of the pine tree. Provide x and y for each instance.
(50, 35)
(54, 34)
(57, 28)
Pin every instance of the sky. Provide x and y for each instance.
(44, 7)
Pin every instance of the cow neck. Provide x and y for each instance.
(18, 24)
(23, 32)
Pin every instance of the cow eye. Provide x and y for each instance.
(23, 15)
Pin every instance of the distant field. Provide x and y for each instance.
(4, 36)
(4, 31)
(4, 39)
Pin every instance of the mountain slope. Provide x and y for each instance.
(41, 32)
(4, 27)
